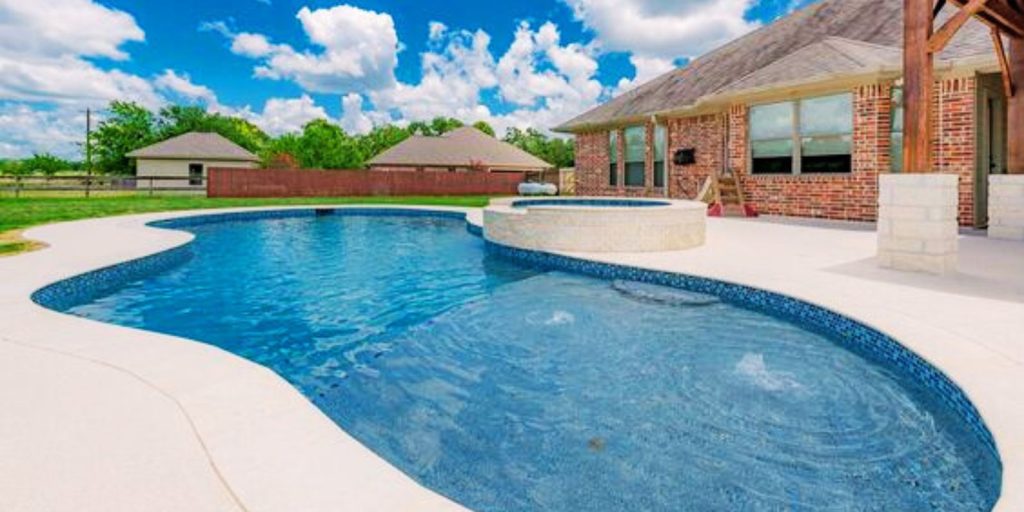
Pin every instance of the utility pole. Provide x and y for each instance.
(88, 150)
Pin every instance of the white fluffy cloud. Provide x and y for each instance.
(25, 130)
(668, 30)
(44, 47)
(282, 115)
(182, 86)
(352, 48)
(646, 68)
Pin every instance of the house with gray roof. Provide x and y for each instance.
(188, 156)
(462, 149)
(801, 115)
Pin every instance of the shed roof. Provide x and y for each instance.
(458, 148)
(195, 145)
(830, 37)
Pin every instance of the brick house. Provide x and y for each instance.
(805, 113)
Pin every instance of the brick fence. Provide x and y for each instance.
(321, 183)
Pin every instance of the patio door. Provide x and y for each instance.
(991, 141)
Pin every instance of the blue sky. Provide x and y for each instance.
(281, 63)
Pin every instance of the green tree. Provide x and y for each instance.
(175, 120)
(381, 138)
(437, 126)
(12, 167)
(556, 151)
(325, 145)
(484, 127)
(127, 127)
(45, 163)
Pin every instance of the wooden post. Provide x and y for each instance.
(918, 83)
(1015, 109)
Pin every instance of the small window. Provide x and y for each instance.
(613, 158)
(896, 131)
(660, 143)
(771, 138)
(636, 145)
(195, 174)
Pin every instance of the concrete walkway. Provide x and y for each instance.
(102, 417)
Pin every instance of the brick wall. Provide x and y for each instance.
(592, 164)
(705, 134)
(953, 133)
(842, 196)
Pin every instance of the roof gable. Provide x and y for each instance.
(458, 148)
(195, 145)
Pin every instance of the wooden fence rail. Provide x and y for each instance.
(17, 185)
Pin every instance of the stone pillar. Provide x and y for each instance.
(917, 222)
(1006, 206)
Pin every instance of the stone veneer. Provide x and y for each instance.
(917, 222)
(1006, 206)
(854, 196)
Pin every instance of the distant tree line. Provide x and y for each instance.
(319, 144)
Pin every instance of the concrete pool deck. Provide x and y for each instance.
(103, 417)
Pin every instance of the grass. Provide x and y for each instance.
(18, 214)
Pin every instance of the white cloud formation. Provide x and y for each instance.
(25, 130)
(57, 28)
(44, 47)
(646, 68)
(182, 86)
(283, 115)
(667, 30)
(353, 48)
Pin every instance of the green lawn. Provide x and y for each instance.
(17, 214)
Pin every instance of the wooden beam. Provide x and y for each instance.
(1001, 14)
(1004, 64)
(918, 83)
(941, 38)
(1015, 109)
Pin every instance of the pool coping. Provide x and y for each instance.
(213, 407)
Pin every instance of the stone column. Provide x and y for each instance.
(917, 222)
(1006, 206)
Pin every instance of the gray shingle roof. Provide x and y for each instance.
(837, 36)
(195, 145)
(458, 148)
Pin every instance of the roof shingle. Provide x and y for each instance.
(458, 148)
(195, 145)
(840, 36)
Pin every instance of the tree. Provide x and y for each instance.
(381, 138)
(437, 126)
(484, 127)
(128, 127)
(175, 120)
(46, 164)
(324, 145)
(556, 151)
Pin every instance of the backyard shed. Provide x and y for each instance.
(188, 157)
(462, 149)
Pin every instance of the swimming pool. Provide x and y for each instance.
(509, 387)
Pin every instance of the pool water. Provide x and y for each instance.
(509, 388)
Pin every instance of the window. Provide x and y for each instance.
(660, 143)
(896, 133)
(771, 138)
(636, 143)
(813, 135)
(613, 158)
(195, 174)
(826, 134)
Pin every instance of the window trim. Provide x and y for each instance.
(797, 152)
(613, 158)
(664, 157)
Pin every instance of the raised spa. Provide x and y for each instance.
(511, 386)
(596, 224)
